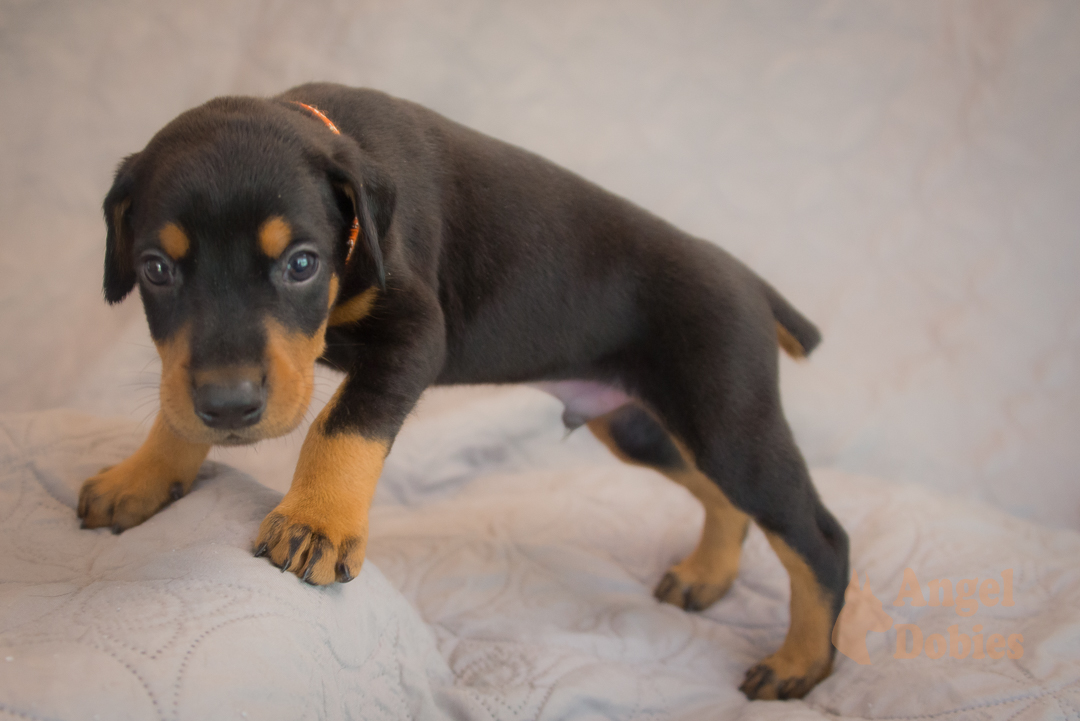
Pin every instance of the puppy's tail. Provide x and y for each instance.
(797, 336)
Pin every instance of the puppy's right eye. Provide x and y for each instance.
(158, 271)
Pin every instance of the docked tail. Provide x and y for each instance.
(797, 336)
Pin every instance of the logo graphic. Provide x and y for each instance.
(862, 612)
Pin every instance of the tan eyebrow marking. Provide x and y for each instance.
(274, 236)
(174, 241)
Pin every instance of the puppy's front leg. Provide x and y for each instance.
(319, 530)
(136, 488)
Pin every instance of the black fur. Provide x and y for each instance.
(642, 439)
(494, 266)
(119, 270)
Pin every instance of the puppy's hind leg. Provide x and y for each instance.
(711, 376)
(702, 578)
(765, 476)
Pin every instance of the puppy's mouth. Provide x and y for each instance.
(235, 405)
(226, 408)
(232, 438)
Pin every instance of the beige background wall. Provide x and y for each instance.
(908, 173)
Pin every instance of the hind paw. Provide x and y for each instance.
(776, 678)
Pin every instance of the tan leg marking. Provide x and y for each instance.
(788, 342)
(319, 530)
(128, 493)
(174, 241)
(703, 577)
(274, 236)
(354, 309)
(806, 656)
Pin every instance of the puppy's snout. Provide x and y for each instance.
(237, 404)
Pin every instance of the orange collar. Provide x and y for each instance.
(355, 232)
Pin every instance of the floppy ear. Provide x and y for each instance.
(372, 196)
(119, 265)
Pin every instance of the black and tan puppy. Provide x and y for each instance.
(408, 251)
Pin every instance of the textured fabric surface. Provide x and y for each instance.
(176, 619)
(523, 564)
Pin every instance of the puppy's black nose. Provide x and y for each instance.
(232, 405)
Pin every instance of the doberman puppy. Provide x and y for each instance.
(345, 226)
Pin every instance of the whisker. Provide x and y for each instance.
(145, 421)
(140, 385)
(142, 406)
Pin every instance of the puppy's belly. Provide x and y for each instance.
(583, 400)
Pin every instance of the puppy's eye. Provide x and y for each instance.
(301, 266)
(158, 271)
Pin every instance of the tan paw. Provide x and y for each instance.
(681, 588)
(318, 553)
(779, 678)
(125, 495)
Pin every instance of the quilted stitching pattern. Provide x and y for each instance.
(141, 625)
(530, 577)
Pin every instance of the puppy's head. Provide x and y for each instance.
(234, 222)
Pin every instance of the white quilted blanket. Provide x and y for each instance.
(509, 577)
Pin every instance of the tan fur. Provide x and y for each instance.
(703, 577)
(354, 308)
(176, 405)
(332, 295)
(787, 341)
(806, 655)
(128, 493)
(320, 526)
(290, 377)
(227, 375)
(707, 573)
(274, 236)
(165, 466)
(290, 359)
(174, 241)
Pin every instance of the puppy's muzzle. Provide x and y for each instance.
(230, 405)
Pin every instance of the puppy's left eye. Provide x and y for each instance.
(301, 266)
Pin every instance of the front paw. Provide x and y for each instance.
(317, 552)
(125, 495)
